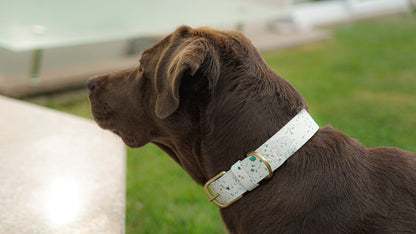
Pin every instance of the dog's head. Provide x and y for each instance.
(134, 103)
(194, 84)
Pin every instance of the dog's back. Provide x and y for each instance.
(394, 179)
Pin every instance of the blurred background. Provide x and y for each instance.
(353, 60)
(48, 45)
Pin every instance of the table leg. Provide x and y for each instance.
(36, 62)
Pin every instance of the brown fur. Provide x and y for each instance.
(207, 97)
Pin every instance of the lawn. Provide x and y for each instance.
(363, 82)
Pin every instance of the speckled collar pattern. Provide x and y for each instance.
(246, 174)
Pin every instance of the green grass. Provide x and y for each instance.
(363, 82)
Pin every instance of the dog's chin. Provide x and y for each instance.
(105, 122)
(130, 141)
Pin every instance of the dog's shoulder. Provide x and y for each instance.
(396, 165)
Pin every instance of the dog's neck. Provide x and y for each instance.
(227, 187)
(243, 114)
(184, 146)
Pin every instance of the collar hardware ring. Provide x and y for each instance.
(269, 168)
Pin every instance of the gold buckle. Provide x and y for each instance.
(213, 197)
(269, 168)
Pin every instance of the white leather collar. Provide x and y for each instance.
(227, 187)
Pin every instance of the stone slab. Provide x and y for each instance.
(58, 173)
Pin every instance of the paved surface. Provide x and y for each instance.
(58, 173)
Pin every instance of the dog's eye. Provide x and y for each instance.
(141, 68)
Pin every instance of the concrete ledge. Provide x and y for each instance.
(58, 173)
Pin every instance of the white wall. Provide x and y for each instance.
(310, 14)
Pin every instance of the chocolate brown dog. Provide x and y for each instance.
(207, 97)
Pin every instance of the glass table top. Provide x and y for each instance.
(42, 24)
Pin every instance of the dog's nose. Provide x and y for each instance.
(92, 84)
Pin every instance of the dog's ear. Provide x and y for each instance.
(186, 58)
